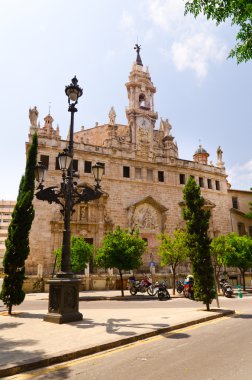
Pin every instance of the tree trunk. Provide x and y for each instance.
(121, 283)
(9, 309)
(208, 306)
(243, 280)
(173, 280)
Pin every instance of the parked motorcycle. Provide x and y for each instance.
(226, 288)
(179, 286)
(188, 287)
(136, 286)
(163, 293)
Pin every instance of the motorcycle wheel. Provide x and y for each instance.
(168, 295)
(151, 290)
(161, 296)
(228, 295)
(133, 291)
(190, 295)
(179, 290)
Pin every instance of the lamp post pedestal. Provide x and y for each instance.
(63, 304)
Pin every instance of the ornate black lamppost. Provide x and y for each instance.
(64, 289)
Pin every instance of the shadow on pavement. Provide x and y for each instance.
(10, 349)
(177, 336)
(116, 326)
(26, 314)
(244, 316)
(61, 373)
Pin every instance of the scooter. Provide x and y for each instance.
(163, 293)
(226, 288)
(179, 286)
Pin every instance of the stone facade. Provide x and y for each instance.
(6, 210)
(143, 181)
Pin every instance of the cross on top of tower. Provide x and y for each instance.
(138, 60)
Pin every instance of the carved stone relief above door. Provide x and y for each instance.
(147, 215)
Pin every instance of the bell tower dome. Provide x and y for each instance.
(140, 111)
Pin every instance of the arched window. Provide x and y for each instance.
(142, 101)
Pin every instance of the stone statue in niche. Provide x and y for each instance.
(84, 213)
(33, 116)
(112, 116)
(107, 219)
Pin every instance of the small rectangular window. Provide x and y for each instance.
(126, 172)
(87, 167)
(182, 179)
(201, 182)
(160, 176)
(138, 173)
(217, 185)
(149, 175)
(241, 229)
(235, 202)
(45, 160)
(75, 165)
(209, 184)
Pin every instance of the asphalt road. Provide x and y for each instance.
(217, 350)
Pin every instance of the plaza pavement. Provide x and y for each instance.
(27, 342)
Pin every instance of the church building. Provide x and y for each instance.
(142, 184)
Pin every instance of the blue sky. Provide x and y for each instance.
(44, 43)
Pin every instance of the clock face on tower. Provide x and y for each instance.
(143, 122)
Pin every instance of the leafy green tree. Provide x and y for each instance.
(121, 250)
(220, 247)
(81, 254)
(198, 242)
(240, 256)
(239, 12)
(173, 251)
(17, 242)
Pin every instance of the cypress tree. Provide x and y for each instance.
(17, 242)
(198, 241)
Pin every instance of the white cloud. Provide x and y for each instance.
(196, 52)
(165, 14)
(240, 176)
(192, 44)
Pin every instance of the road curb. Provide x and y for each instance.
(46, 360)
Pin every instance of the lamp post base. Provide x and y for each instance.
(63, 301)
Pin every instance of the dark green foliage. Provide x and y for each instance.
(121, 250)
(81, 254)
(198, 242)
(239, 12)
(240, 254)
(17, 242)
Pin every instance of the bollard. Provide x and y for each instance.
(239, 291)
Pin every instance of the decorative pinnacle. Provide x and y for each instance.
(138, 60)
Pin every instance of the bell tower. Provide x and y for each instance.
(141, 113)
